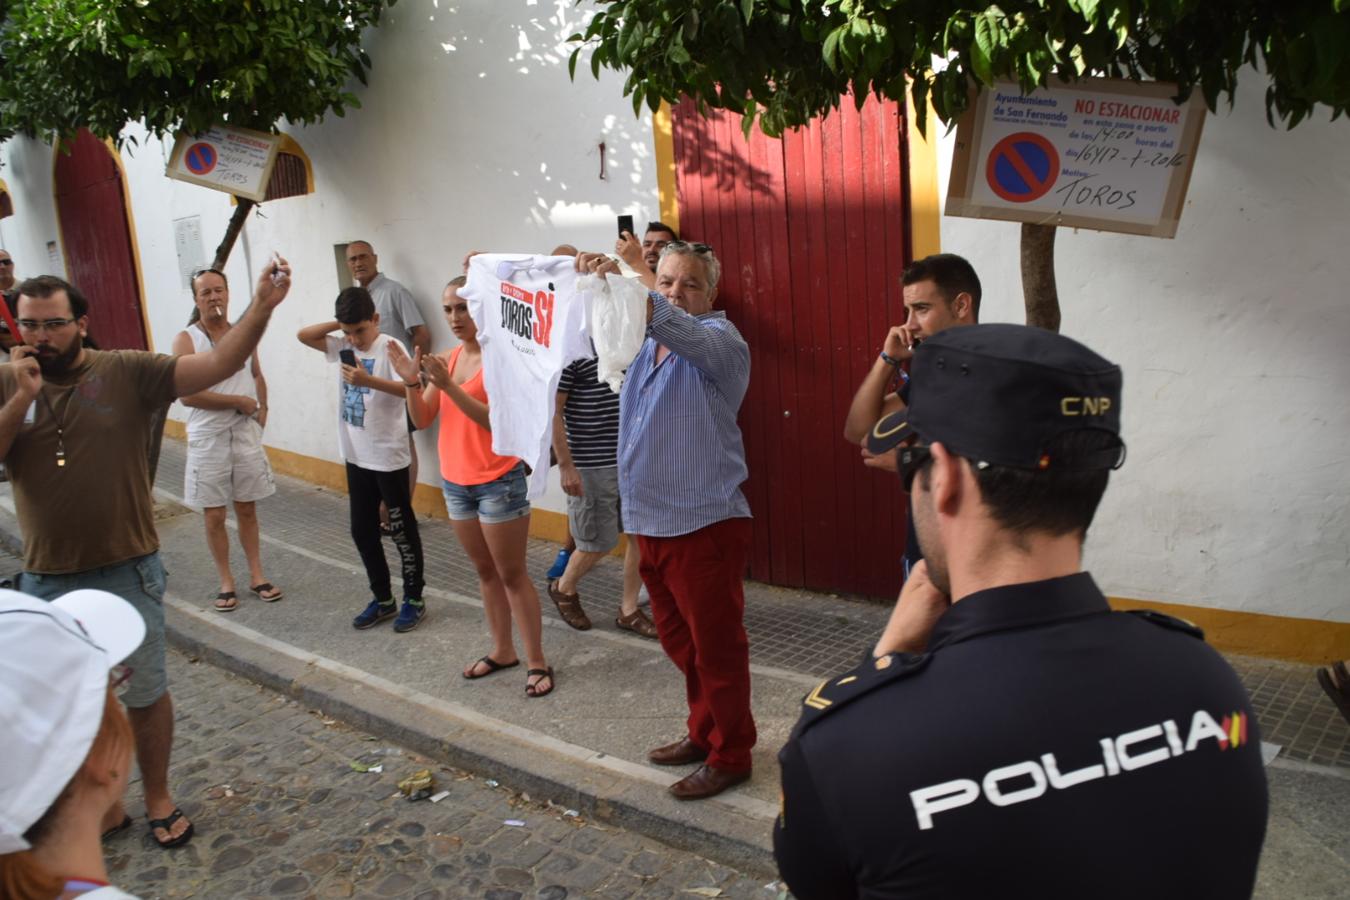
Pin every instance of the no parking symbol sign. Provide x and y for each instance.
(200, 158)
(1096, 153)
(235, 160)
(1022, 167)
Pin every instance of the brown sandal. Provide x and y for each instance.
(532, 689)
(638, 623)
(569, 607)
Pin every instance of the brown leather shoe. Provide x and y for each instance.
(681, 753)
(569, 607)
(638, 623)
(707, 782)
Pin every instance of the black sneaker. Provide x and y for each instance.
(410, 616)
(375, 612)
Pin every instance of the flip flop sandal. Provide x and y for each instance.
(492, 667)
(226, 601)
(569, 607)
(267, 593)
(532, 690)
(117, 829)
(638, 623)
(166, 823)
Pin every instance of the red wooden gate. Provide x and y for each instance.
(812, 232)
(96, 236)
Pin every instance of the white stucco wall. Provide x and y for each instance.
(27, 166)
(471, 136)
(1233, 340)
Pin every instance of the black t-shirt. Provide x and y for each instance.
(1043, 747)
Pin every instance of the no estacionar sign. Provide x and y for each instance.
(1100, 153)
(224, 158)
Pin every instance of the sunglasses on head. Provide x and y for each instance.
(686, 245)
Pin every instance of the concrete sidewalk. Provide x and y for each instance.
(617, 695)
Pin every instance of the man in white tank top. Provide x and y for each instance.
(226, 462)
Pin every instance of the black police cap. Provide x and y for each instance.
(1000, 394)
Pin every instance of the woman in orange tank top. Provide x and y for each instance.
(484, 492)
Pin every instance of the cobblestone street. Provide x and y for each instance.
(281, 811)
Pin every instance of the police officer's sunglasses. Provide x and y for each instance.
(910, 460)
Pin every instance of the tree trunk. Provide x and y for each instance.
(1038, 276)
(241, 210)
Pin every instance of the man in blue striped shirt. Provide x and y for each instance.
(681, 464)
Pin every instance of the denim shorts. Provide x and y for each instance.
(141, 583)
(500, 500)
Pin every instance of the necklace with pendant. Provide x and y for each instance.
(60, 429)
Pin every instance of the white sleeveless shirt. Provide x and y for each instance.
(206, 422)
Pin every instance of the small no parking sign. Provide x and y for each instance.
(1022, 167)
(234, 160)
(1100, 153)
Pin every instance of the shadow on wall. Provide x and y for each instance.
(702, 153)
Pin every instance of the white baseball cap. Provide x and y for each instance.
(54, 664)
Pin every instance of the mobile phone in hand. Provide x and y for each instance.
(625, 224)
(348, 356)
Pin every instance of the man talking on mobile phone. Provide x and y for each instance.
(941, 291)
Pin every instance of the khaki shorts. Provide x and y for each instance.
(228, 466)
(594, 518)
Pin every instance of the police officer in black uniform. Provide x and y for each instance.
(1010, 735)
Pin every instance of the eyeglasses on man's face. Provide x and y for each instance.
(33, 326)
(6, 262)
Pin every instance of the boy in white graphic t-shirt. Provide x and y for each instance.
(373, 439)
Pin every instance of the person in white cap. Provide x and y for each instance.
(65, 740)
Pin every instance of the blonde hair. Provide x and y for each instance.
(21, 876)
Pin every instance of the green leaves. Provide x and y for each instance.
(783, 62)
(180, 65)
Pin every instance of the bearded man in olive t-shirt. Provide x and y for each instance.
(74, 430)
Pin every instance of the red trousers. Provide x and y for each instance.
(699, 608)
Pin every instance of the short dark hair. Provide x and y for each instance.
(951, 273)
(662, 226)
(43, 286)
(354, 306)
(458, 281)
(1058, 500)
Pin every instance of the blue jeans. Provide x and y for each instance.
(500, 500)
(141, 583)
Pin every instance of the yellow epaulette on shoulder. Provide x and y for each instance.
(872, 673)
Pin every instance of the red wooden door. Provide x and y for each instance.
(812, 232)
(91, 204)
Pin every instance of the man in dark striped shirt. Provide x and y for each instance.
(681, 464)
(585, 440)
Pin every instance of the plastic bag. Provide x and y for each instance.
(618, 318)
